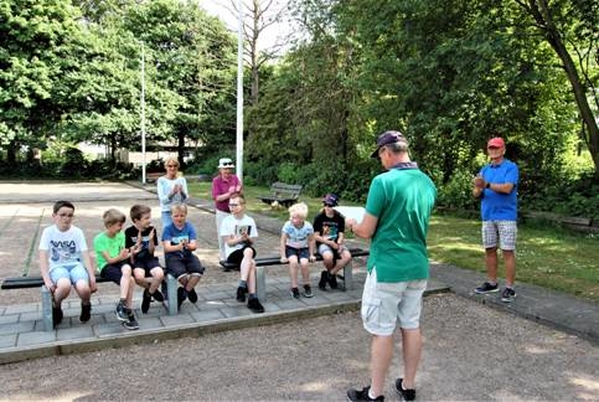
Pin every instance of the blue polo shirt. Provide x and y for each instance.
(498, 206)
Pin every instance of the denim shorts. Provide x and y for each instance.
(299, 252)
(74, 273)
(504, 231)
(384, 304)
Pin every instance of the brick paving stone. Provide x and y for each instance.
(16, 328)
(8, 341)
(208, 315)
(173, 321)
(35, 338)
(76, 333)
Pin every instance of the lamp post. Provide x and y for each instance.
(239, 142)
(143, 115)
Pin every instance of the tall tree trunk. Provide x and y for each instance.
(542, 15)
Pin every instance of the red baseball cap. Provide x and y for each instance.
(496, 142)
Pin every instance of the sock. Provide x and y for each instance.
(370, 394)
(122, 301)
(243, 284)
(252, 296)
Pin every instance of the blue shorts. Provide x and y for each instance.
(74, 273)
(179, 265)
(114, 272)
(300, 253)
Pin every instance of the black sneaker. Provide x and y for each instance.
(121, 314)
(57, 316)
(486, 287)
(255, 305)
(145, 301)
(131, 323)
(86, 310)
(158, 296)
(181, 296)
(307, 292)
(333, 281)
(324, 278)
(405, 394)
(241, 294)
(295, 293)
(192, 296)
(508, 295)
(356, 396)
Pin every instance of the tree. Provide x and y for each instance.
(571, 27)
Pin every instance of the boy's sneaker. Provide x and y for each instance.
(255, 305)
(181, 296)
(508, 295)
(86, 310)
(241, 294)
(158, 296)
(121, 313)
(405, 394)
(308, 292)
(356, 396)
(192, 296)
(324, 278)
(295, 293)
(145, 301)
(487, 287)
(57, 316)
(333, 281)
(131, 323)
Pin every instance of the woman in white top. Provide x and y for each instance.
(171, 190)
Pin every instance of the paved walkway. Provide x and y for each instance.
(22, 337)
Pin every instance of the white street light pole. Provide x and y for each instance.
(143, 115)
(239, 143)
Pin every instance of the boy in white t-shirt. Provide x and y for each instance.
(238, 232)
(65, 262)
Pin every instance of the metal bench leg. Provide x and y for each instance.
(348, 276)
(47, 308)
(171, 286)
(261, 283)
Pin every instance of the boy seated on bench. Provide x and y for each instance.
(65, 261)
(141, 239)
(329, 228)
(297, 248)
(238, 232)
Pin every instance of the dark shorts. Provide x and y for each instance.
(180, 265)
(114, 272)
(147, 264)
(299, 252)
(236, 256)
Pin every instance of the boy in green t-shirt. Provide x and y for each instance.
(113, 263)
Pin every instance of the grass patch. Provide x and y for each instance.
(547, 255)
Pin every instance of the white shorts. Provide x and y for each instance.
(383, 304)
(504, 231)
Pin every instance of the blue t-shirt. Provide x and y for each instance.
(498, 206)
(297, 237)
(175, 235)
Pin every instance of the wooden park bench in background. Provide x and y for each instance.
(25, 282)
(283, 194)
(261, 263)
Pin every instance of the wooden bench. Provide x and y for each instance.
(153, 177)
(283, 194)
(261, 263)
(25, 282)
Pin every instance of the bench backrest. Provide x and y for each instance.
(287, 190)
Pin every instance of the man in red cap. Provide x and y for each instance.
(496, 187)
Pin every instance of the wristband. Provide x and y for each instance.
(488, 185)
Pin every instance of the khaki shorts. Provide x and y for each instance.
(384, 304)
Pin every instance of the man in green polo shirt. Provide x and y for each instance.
(398, 208)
